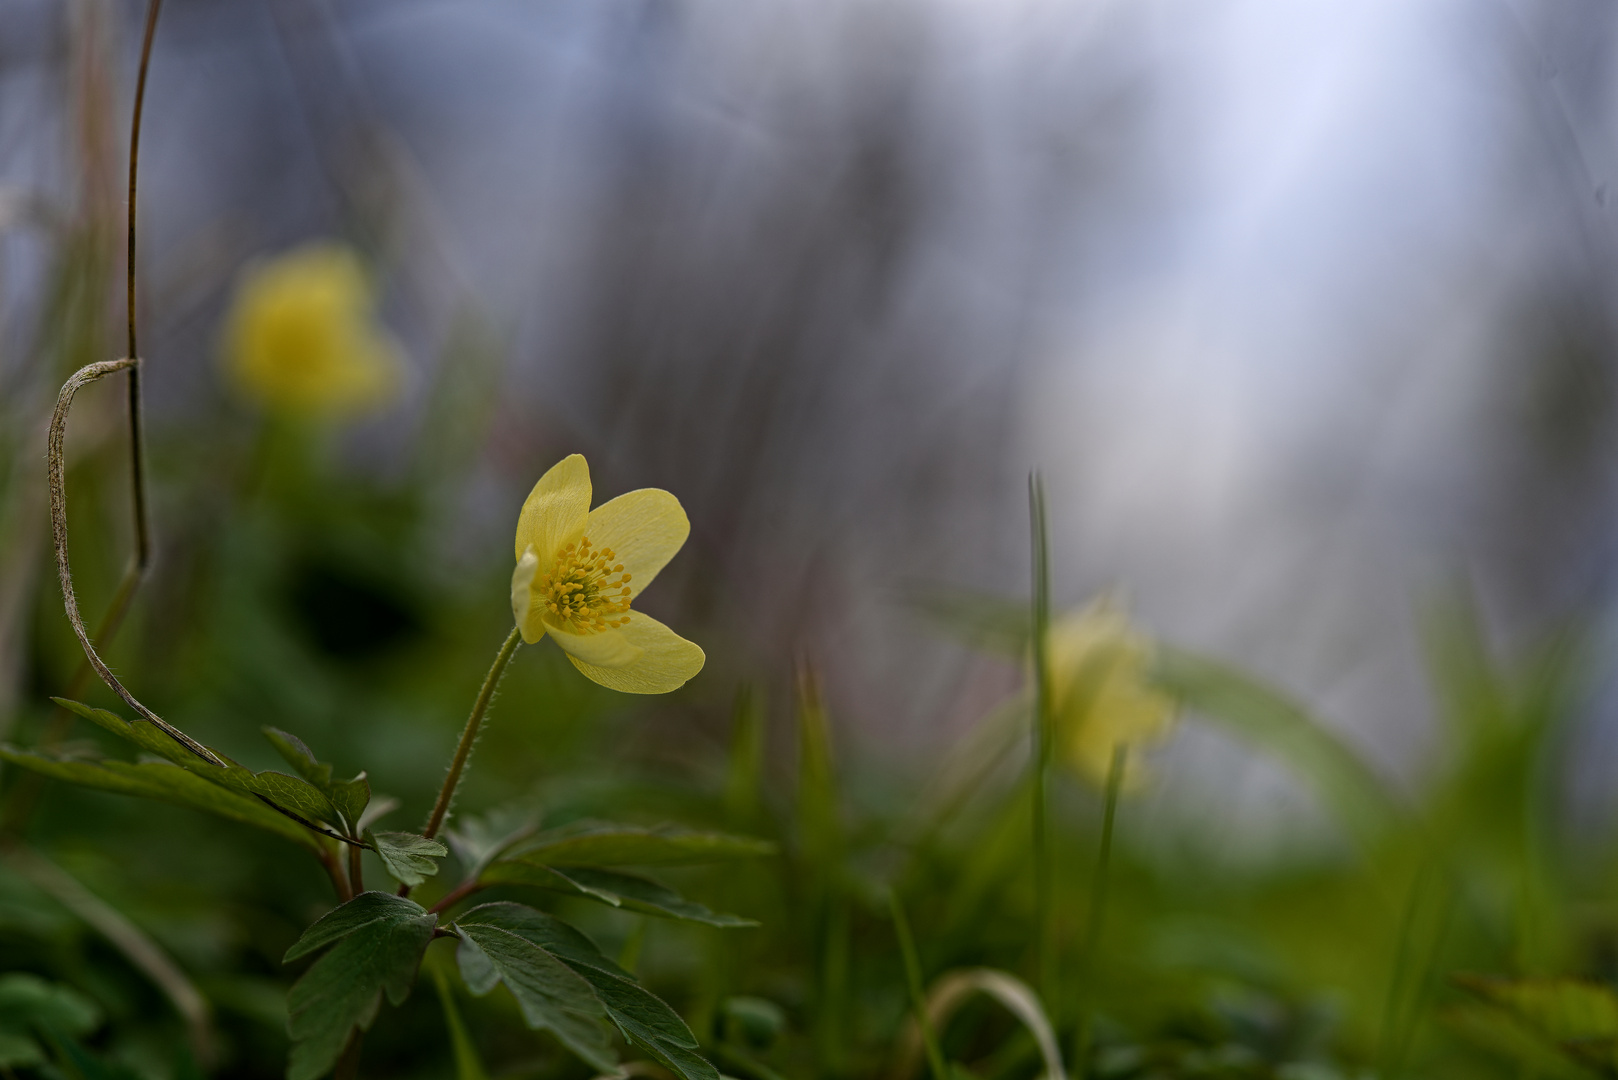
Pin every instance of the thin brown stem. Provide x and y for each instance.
(446, 794)
(334, 869)
(456, 895)
(137, 443)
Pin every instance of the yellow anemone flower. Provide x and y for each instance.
(1101, 698)
(578, 570)
(301, 336)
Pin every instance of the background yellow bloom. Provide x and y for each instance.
(578, 570)
(1100, 696)
(301, 336)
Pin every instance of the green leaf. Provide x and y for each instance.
(348, 796)
(642, 1017)
(166, 783)
(27, 1001)
(299, 756)
(614, 888)
(364, 910)
(289, 792)
(648, 1022)
(380, 941)
(408, 857)
(351, 797)
(495, 948)
(604, 843)
(1257, 712)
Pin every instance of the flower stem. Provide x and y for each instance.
(1039, 779)
(469, 736)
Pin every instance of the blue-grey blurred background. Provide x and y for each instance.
(1303, 309)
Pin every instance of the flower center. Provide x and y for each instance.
(585, 589)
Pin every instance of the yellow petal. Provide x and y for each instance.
(555, 510)
(608, 650)
(667, 660)
(644, 529)
(522, 597)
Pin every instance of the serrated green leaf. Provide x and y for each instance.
(647, 1021)
(380, 942)
(350, 797)
(614, 888)
(289, 792)
(299, 756)
(551, 934)
(605, 843)
(164, 782)
(27, 1001)
(551, 994)
(362, 911)
(100, 717)
(642, 1017)
(408, 857)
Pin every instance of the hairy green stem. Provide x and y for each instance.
(469, 735)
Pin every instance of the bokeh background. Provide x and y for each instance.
(1303, 310)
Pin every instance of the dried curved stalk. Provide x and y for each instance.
(952, 988)
(58, 485)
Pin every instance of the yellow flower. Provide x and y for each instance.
(301, 336)
(578, 570)
(1101, 698)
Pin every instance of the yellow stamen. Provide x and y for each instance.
(583, 590)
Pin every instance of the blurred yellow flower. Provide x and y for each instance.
(301, 336)
(578, 569)
(1101, 698)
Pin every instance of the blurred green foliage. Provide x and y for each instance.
(1449, 931)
